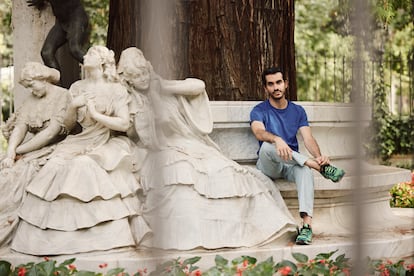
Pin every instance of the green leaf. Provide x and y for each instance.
(301, 258)
(114, 271)
(193, 268)
(191, 260)
(48, 267)
(85, 273)
(325, 255)
(251, 260)
(212, 272)
(220, 261)
(284, 263)
(68, 262)
(5, 268)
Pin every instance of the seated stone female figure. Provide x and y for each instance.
(195, 196)
(32, 129)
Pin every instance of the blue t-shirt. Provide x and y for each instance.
(284, 123)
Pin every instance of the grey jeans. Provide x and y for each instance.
(272, 165)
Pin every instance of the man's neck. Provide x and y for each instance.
(281, 103)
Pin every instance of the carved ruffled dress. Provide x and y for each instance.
(197, 197)
(85, 197)
(36, 114)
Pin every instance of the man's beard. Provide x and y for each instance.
(277, 98)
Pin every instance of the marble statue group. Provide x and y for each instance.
(123, 158)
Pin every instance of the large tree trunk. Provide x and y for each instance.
(123, 25)
(225, 43)
(231, 42)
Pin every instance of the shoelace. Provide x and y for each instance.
(305, 232)
(329, 170)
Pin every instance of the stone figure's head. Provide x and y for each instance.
(100, 56)
(34, 74)
(134, 70)
(38, 71)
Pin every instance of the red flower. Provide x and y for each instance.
(389, 262)
(385, 272)
(410, 267)
(142, 271)
(22, 271)
(197, 272)
(245, 263)
(72, 267)
(103, 265)
(346, 271)
(46, 259)
(285, 270)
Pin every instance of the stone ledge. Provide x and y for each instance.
(388, 245)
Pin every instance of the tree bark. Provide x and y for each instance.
(225, 43)
(123, 25)
(231, 42)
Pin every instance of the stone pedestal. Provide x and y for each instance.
(387, 232)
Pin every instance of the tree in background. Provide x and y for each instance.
(225, 43)
(322, 41)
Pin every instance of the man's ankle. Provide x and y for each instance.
(306, 219)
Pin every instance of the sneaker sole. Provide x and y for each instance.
(303, 243)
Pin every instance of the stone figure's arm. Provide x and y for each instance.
(17, 136)
(189, 86)
(119, 122)
(71, 112)
(41, 139)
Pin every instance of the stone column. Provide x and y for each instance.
(30, 28)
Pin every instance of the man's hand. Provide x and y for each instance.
(322, 160)
(282, 149)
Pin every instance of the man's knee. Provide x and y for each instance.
(267, 151)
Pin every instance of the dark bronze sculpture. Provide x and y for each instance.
(71, 26)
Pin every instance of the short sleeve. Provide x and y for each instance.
(257, 114)
(303, 118)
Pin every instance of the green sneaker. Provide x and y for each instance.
(305, 235)
(332, 173)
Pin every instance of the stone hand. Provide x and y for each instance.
(92, 109)
(79, 101)
(6, 163)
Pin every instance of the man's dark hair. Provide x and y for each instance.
(270, 71)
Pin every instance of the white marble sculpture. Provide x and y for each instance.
(85, 197)
(195, 196)
(37, 124)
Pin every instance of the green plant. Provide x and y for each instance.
(322, 264)
(402, 194)
(390, 135)
(176, 267)
(388, 268)
(50, 268)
